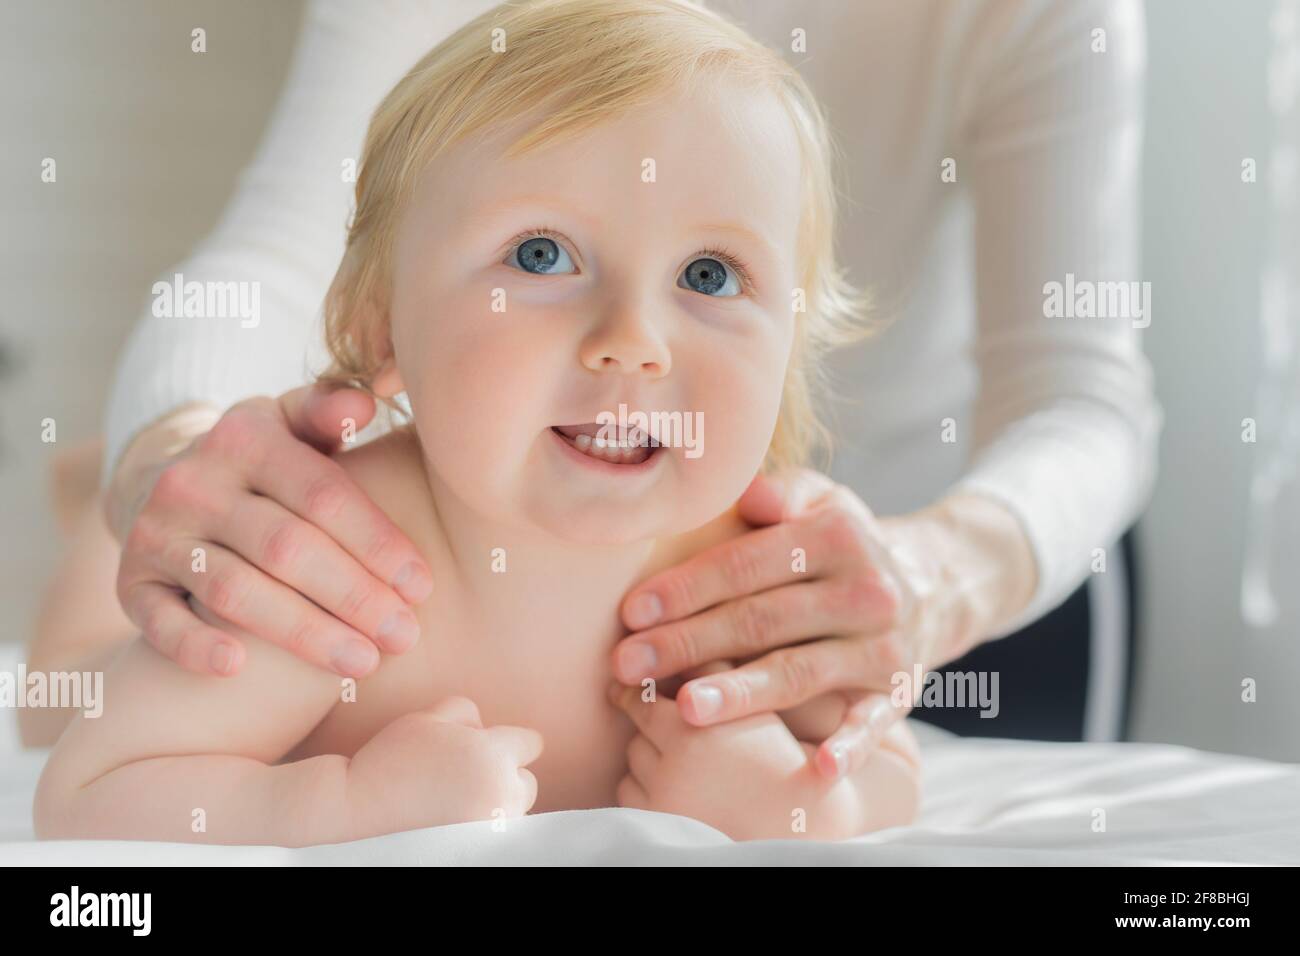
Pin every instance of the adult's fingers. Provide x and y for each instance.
(752, 625)
(753, 562)
(321, 492)
(773, 498)
(320, 414)
(238, 592)
(778, 681)
(719, 666)
(302, 556)
(176, 632)
(865, 724)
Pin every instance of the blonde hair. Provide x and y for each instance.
(581, 63)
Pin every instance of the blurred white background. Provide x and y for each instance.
(1207, 239)
(149, 139)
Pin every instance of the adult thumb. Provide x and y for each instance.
(321, 415)
(773, 498)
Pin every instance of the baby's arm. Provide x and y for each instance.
(177, 756)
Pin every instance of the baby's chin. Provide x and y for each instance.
(612, 523)
(684, 496)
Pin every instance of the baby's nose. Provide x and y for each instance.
(627, 343)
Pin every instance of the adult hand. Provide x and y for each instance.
(824, 596)
(256, 521)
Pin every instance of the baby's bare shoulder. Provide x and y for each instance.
(390, 470)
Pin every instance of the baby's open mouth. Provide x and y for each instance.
(631, 446)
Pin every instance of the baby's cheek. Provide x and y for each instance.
(467, 409)
(737, 429)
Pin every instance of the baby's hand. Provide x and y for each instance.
(749, 778)
(441, 766)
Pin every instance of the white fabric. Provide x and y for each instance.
(986, 802)
(1046, 138)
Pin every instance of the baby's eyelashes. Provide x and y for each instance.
(541, 255)
(714, 273)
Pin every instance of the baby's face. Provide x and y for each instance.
(533, 297)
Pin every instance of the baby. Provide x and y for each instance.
(566, 207)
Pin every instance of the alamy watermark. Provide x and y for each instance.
(80, 689)
(666, 429)
(130, 910)
(953, 689)
(1085, 299)
(179, 299)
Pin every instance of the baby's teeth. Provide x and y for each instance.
(613, 450)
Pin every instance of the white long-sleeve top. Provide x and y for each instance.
(1055, 417)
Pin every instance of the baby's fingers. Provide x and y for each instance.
(631, 794)
(865, 724)
(643, 760)
(457, 710)
(522, 743)
(176, 632)
(658, 720)
(529, 783)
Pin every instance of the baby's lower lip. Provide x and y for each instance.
(596, 449)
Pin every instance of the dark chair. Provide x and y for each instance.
(1043, 672)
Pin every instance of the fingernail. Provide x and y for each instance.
(412, 584)
(222, 659)
(354, 659)
(706, 699)
(644, 610)
(637, 659)
(399, 632)
(841, 760)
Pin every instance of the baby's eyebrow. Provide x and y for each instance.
(741, 232)
(486, 213)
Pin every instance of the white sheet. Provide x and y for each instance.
(986, 802)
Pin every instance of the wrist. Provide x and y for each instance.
(151, 450)
(362, 812)
(309, 802)
(985, 566)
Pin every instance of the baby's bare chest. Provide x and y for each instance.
(548, 672)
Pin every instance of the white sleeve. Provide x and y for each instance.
(1066, 422)
(285, 226)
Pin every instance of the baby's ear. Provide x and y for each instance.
(387, 381)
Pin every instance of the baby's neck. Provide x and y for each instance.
(518, 570)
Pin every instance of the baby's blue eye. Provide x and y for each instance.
(543, 256)
(707, 275)
(710, 277)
